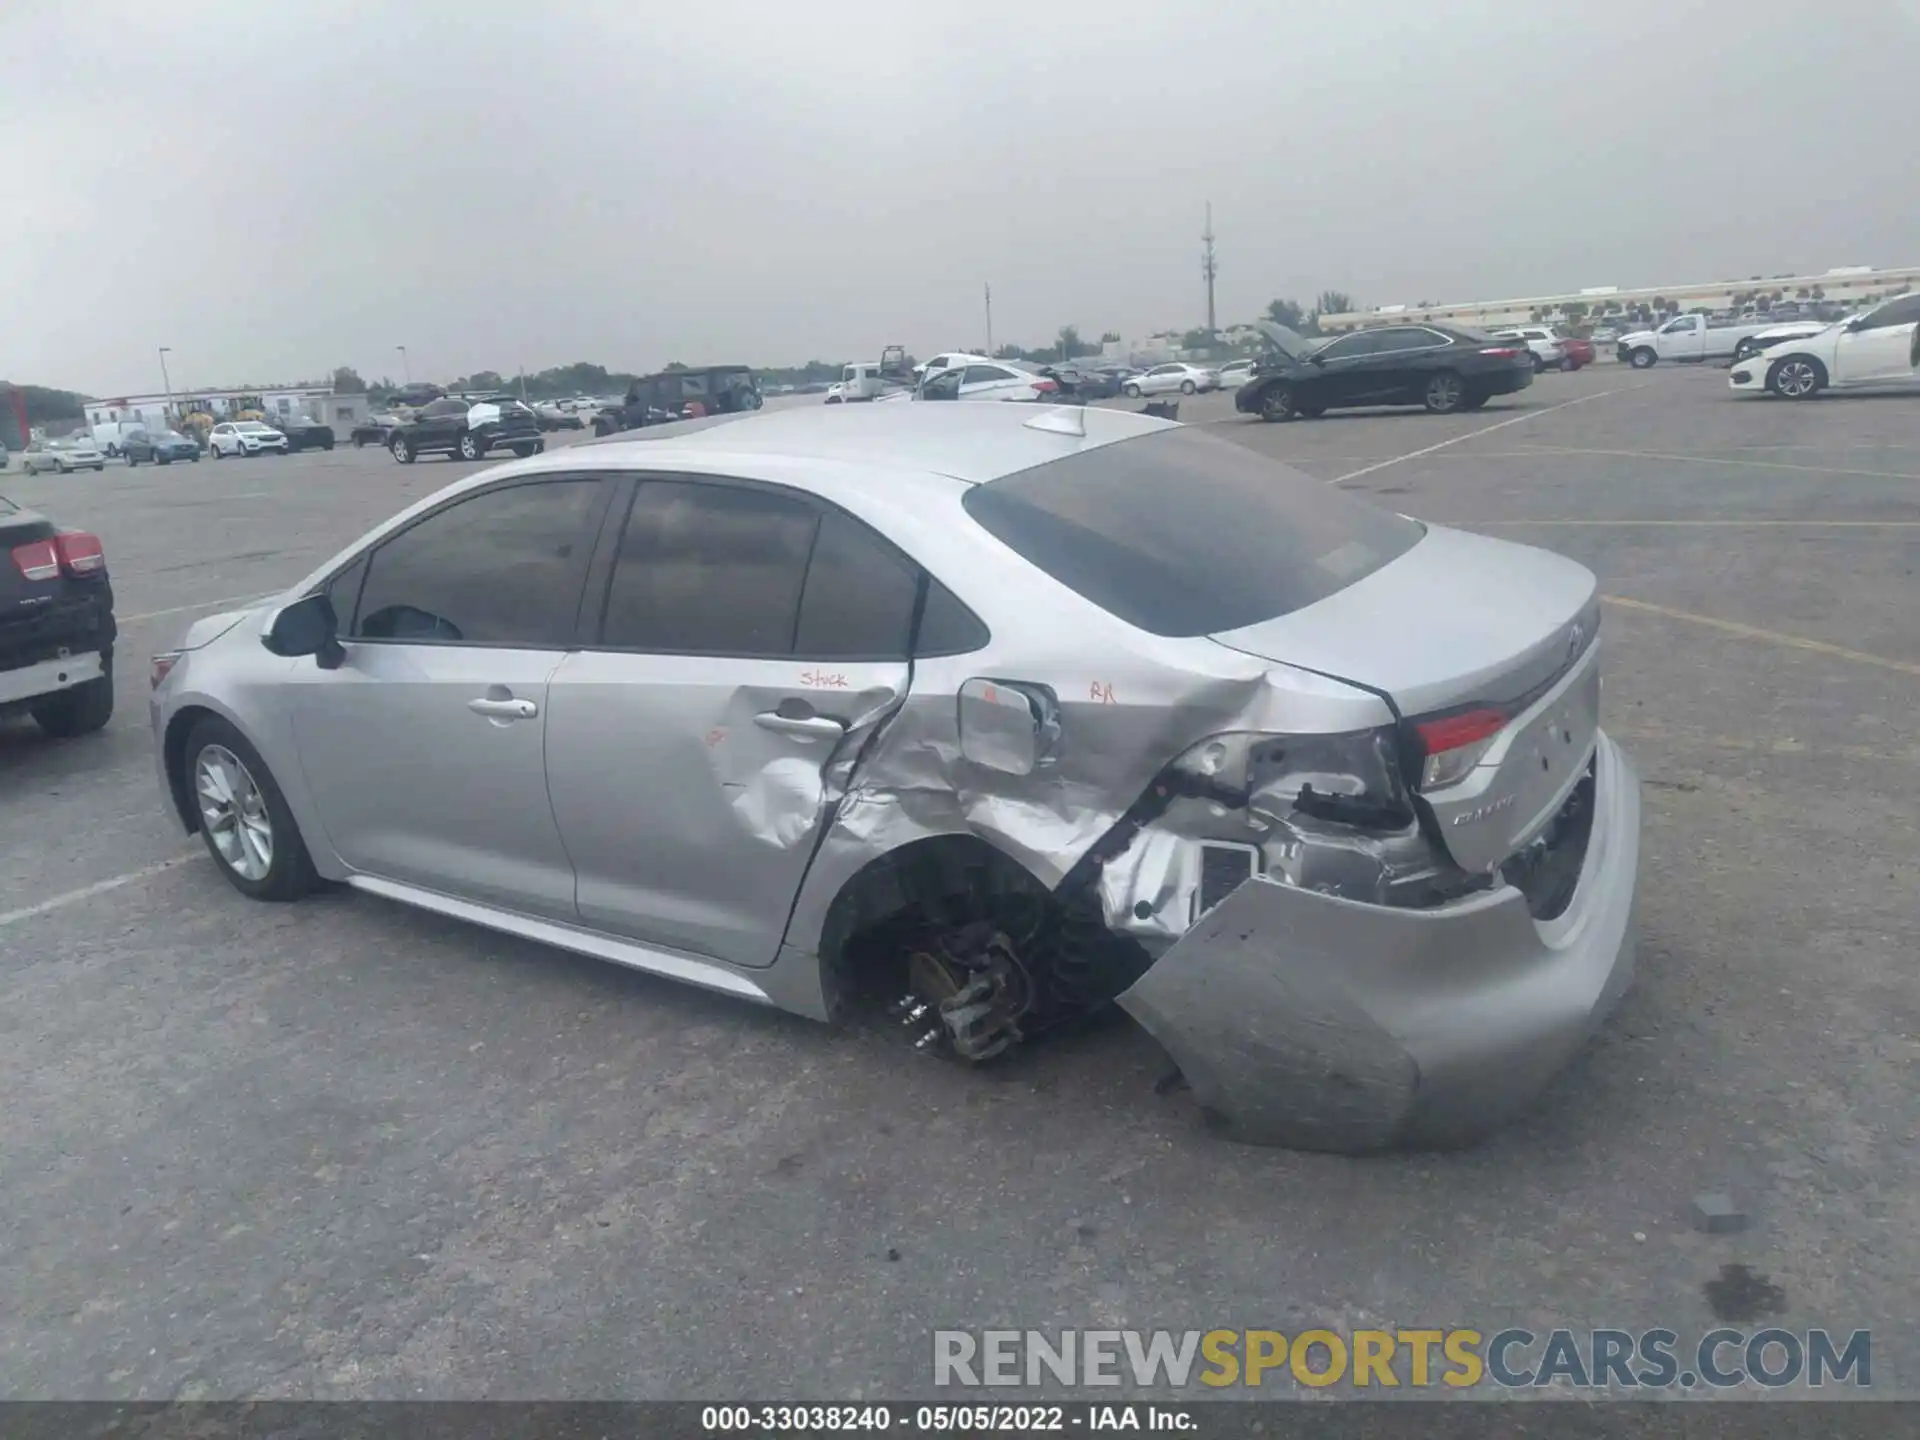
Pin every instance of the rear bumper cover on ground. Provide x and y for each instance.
(1305, 1020)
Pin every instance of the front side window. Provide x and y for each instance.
(1183, 533)
(980, 374)
(1686, 324)
(504, 567)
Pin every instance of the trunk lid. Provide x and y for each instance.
(1459, 626)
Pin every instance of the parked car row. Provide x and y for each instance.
(681, 394)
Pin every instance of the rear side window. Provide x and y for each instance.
(717, 569)
(504, 567)
(1903, 311)
(1361, 342)
(709, 570)
(859, 598)
(1184, 533)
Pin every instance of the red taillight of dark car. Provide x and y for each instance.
(75, 553)
(1503, 352)
(37, 560)
(80, 553)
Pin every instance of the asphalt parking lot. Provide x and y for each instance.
(343, 1149)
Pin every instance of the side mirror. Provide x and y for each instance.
(1014, 729)
(307, 627)
(1857, 324)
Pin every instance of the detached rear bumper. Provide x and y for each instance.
(1305, 1020)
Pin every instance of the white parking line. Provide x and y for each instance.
(201, 605)
(87, 892)
(1520, 419)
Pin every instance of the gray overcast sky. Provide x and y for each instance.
(274, 189)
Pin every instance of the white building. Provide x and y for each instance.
(1846, 286)
(157, 411)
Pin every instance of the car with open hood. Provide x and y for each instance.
(998, 714)
(1878, 349)
(1440, 368)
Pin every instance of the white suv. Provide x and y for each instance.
(245, 437)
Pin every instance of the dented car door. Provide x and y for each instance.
(744, 656)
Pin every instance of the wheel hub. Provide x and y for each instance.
(233, 812)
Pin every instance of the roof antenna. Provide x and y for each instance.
(1062, 420)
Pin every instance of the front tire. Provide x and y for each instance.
(469, 447)
(133, 462)
(525, 451)
(1642, 358)
(244, 818)
(1132, 392)
(403, 450)
(1539, 365)
(1445, 394)
(1277, 405)
(80, 710)
(1797, 377)
(1187, 387)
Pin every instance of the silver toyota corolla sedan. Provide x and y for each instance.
(997, 713)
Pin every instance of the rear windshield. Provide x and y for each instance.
(1183, 533)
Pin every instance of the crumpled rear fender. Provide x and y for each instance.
(1311, 1021)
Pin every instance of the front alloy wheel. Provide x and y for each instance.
(233, 813)
(1795, 378)
(469, 447)
(402, 451)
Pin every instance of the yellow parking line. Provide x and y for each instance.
(1708, 524)
(1664, 735)
(1718, 460)
(1772, 637)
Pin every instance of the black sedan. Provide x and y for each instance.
(306, 435)
(158, 447)
(1441, 368)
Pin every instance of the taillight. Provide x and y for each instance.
(75, 552)
(37, 560)
(1045, 387)
(1503, 352)
(80, 552)
(1453, 744)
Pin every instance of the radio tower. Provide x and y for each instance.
(1208, 267)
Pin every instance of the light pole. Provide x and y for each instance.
(167, 381)
(405, 368)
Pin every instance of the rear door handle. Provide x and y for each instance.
(810, 727)
(504, 709)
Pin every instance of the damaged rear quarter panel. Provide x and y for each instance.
(1127, 704)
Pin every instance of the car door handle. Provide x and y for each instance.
(504, 709)
(808, 727)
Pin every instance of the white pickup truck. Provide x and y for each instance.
(1688, 337)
